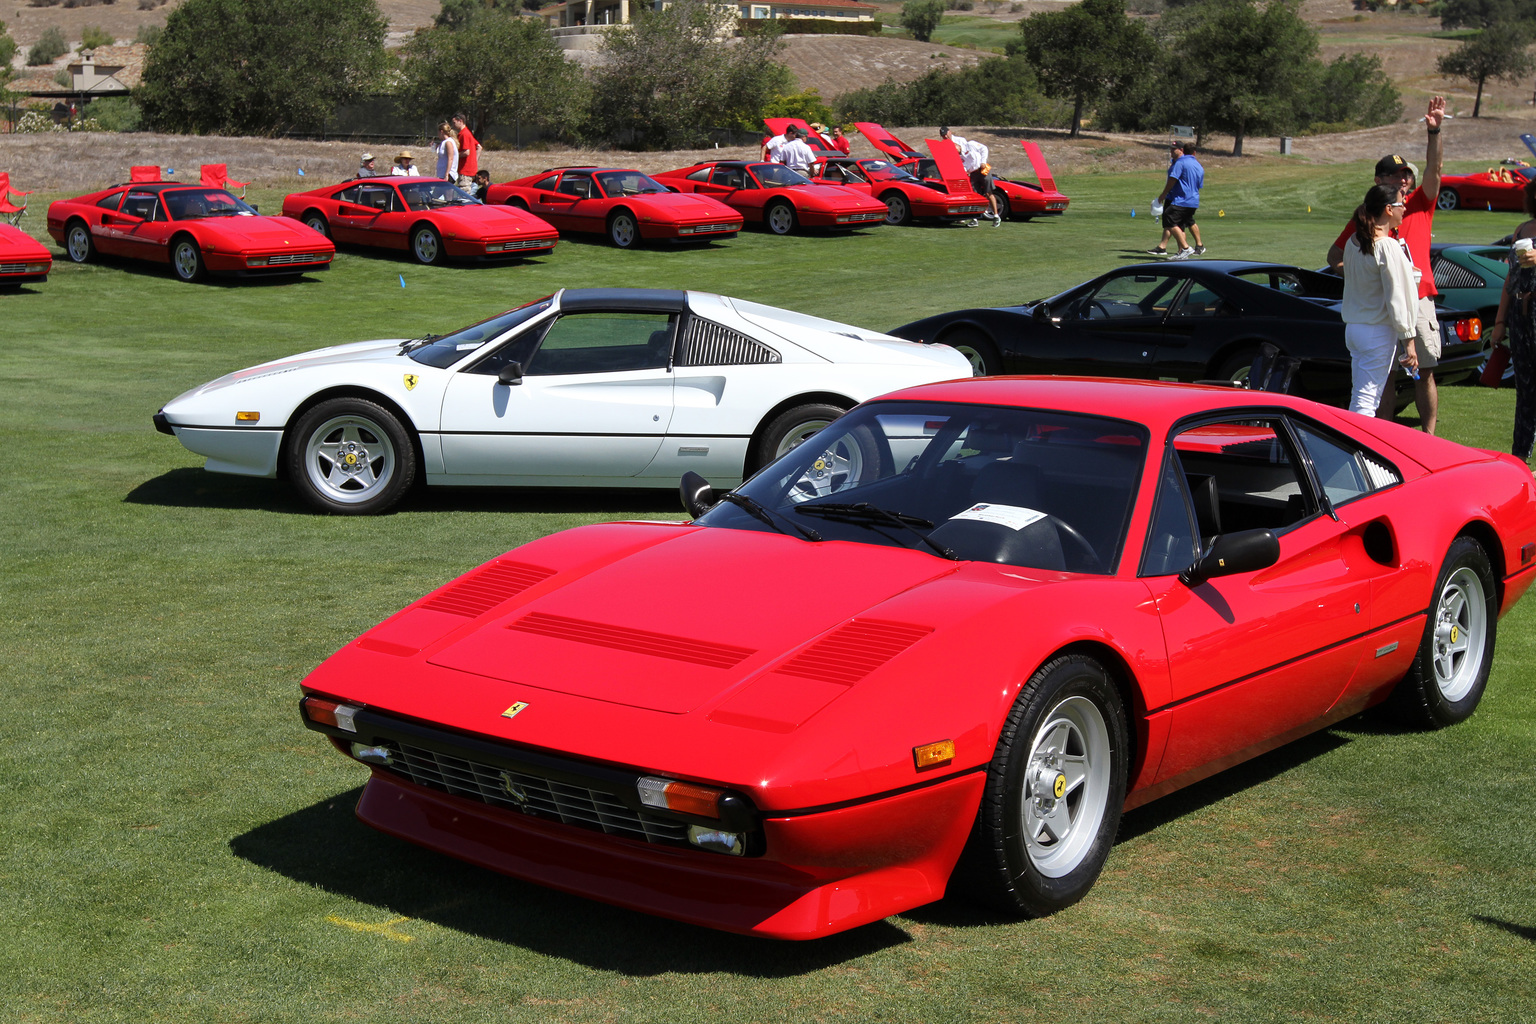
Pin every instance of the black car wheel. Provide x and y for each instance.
(976, 348)
(1054, 792)
(623, 232)
(1004, 207)
(315, 221)
(1450, 671)
(1237, 367)
(1448, 199)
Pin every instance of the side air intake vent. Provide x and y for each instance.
(478, 593)
(709, 344)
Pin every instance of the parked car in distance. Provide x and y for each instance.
(590, 387)
(1498, 188)
(1470, 277)
(1015, 199)
(1185, 321)
(195, 229)
(23, 259)
(625, 205)
(906, 198)
(431, 219)
(1038, 602)
(776, 197)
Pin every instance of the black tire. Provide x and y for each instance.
(623, 231)
(350, 456)
(779, 217)
(79, 246)
(1004, 207)
(898, 210)
(517, 204)
(1448, 199)
(1237, 367)
(315, 221)
(427, 246)
(187, 259)
(788, 429)
(978, 348)
(1450, 670)
(1060, 767)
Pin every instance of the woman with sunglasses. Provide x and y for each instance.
(1381, 296)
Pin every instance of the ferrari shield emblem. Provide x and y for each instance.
(514, 710)
(410, 381)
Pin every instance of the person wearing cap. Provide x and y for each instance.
(973, 157)
(1418, 221)
(365, 168)
(795, 154)
(1180, 199)
(405, 166)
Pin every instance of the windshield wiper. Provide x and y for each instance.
(758, 511)
(864, 512)
(413, 344)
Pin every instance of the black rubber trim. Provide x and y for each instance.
(884, 795)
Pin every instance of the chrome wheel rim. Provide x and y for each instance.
(622, 232)
(79, 243)
(349, 459)
(317, 224)
(835, 467)
(780, 219)
(425, 246)
(1461, 633)
(895, 210)
(185, 258)
(977, 360)
(1066, 786)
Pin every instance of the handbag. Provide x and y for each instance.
(1493, 370)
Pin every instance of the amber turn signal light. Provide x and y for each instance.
(931, 755)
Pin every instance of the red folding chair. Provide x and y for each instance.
(144, 172)
(217, 176)
(9, 211)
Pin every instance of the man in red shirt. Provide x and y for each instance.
(1418, 220)
(469, 149)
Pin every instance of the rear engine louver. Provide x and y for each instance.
(851, 652)
(478, 593)
(637, 641)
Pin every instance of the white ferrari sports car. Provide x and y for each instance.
(583, 388)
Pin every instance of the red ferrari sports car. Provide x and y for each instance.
(906, 198)
(1014, 198)
(777, 197)
(22, 258)
(196, 229)
(430, 218)
(652, 713)
(1498, 188)
(626, 205)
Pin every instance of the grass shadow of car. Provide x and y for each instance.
(164, 272)
(191, 487)
(324, 845)
(403, 257)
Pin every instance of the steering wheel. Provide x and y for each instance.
(1095, 304)
(1090, 557)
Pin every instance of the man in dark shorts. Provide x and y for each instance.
(1418, 220)
(1181, 196)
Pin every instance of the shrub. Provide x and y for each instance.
(94, 36)
(115, 114)
(149, 35)
(50, 46)
(64, 78)
(42, 3)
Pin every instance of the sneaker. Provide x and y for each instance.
(1199, 250)
(1157, 252)
(1184, 254)
(997, 221)
(973, 223)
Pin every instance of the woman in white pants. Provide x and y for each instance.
(1380, 298)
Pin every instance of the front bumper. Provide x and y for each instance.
(243, 451)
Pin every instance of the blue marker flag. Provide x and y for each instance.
(170, 171)
(402, 280)
(301, 172)
(1133, 211)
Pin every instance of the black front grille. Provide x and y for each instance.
(530, 794)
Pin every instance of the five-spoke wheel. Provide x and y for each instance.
(315, 221)
(1448, 199)
(187, 260)
(352, 456)
(780, 218)
(1450, 670)
(427, 245)
(898, 210)
(78, 243)
(623, 232)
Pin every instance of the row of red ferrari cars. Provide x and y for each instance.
(200, 230)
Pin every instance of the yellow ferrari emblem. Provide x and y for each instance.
(350, 458)
(514, 710)
(411, 380)
(1455, 632)
(1060, 788)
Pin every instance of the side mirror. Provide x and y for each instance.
(1042, 313)
(254, 207)
(510, 374)
(1231, 553)
(696, 493)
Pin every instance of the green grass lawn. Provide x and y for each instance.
(176, 847)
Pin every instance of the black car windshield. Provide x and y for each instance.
(450, 348)
(884, 170)
(629, 183)
(778, 176)
(1027, 487)
(431, 194)
(197, 203)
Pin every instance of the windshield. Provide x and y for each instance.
(430, 194)
(884, 170)
(1026, 487)
(197, 203)
(443, 352)
(778, 176)
(629, 183)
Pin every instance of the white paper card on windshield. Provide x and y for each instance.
(1012, 516)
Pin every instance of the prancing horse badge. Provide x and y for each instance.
(411, 381)
(512, 712)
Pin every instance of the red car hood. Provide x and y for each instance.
(263, 231)
(682, 204)
(489, 220)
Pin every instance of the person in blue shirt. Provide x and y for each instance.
(1181, 198)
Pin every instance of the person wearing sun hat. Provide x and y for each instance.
(1414, 233)
(405, 165)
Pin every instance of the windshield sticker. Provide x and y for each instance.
(1011, 516)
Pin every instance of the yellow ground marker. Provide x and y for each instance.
(387, 929)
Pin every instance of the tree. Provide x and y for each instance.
(997, 90)
(1247, 65)
(50, 46)
(1485, 13)
(1499, 52)
(491, 65)
(1084, 51)
(675, 73)
(457, 13)
(254, 67)
(922, 17)
(1353, 91)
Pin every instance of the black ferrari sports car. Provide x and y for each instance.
(1185, 321)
